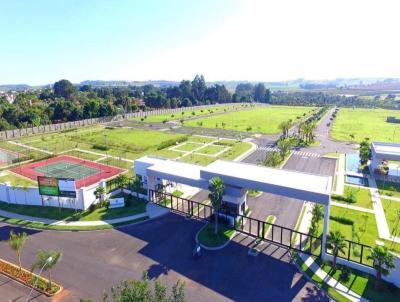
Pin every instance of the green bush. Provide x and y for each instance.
(171, 142)
(342, 220)
(100, 147)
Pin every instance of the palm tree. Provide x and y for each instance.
(47, 260)
(216, 188)
(335, 241)
(99, 194)
(122, 181)
(17, 242)
(383, 262)
(283, 147)
(137, 185)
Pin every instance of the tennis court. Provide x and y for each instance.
(85, 172)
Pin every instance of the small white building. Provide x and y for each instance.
(386, 154)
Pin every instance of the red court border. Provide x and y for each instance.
(106, 172)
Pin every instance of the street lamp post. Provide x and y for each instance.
(40, 272)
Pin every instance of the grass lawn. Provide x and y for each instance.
(188, 114)
(201, 139)
(177, 193)
(392, 212)
(237, 149)
(208, 238)
(363, 123)
(388, 188)
(363, 284)
(260, 119)
(188, 146)
(363, 197)
(16, 180)
(83, 155)
(211, 149)
(137, 207)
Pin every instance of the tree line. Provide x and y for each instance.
(64, 101)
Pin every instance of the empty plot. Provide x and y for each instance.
(259, 119)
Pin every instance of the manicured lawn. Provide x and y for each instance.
(259, 119)
(363, 284)
(388, 188)
(201, 139)
(188, 146)
(208, 238)
(392, 212)
(137, 206)
(16, 180)
(363, 123)
(211, 149)
(188, 114)
(363, 197)
(177, 193)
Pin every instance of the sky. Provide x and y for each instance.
(42, 41)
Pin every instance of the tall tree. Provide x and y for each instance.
(47, 260)
(64, 88)
(17, 242)
(365, 151)
(383, 262)
(216, 187)
(259, 92)
(336, 242)
(199, 88)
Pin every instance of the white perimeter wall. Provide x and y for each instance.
(30, 196)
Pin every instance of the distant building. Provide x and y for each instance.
(393, 119)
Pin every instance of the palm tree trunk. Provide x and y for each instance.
(334, 262)
(378, 279)
(215, 223)
(19, 261)
(50, 278)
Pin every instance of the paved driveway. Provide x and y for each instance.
(93, 261)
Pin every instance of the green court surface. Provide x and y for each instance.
(66, 169)
(265, 119)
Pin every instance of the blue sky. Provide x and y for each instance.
(46, 40)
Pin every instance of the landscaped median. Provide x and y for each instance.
(29, 279)
(207, 238)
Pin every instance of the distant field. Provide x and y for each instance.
(190, 113)
(259, 120)
(363, 123)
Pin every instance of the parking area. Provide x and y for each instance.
(94, 261)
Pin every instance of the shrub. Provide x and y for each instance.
(343, 220)
(193, 113)
(345, 274)
(92, 207)
(164, 121)
(171, 142)
(249, 128)
(100, 147)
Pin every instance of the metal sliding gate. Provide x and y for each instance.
(258, 229)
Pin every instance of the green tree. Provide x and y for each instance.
(272, 159)
(216, 187)
(146, 291)
(47, 260)
(259, 92)
(336, 242)
(99, 194)
(17, 242)
(64, 88)
(137, 185)
(365, 151)
(284, 146)
(317, 214)
(122, 181)
(383, 263)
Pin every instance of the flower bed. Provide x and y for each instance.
(29, 279)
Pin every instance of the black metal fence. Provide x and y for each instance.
(355, 252)
(258, 229)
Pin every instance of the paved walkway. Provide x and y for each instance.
(381, 223)
(351, 207)
(339, 190)
(152, 211)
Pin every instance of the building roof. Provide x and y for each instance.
(292, 184)
(386, 148)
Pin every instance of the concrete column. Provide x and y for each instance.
(151, 185)
(325, 229)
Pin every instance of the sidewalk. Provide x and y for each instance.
(152, 211)
(340, 175)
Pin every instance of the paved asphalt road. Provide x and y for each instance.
(93, 261)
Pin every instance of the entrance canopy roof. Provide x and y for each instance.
(292, 184)
(386, 150)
